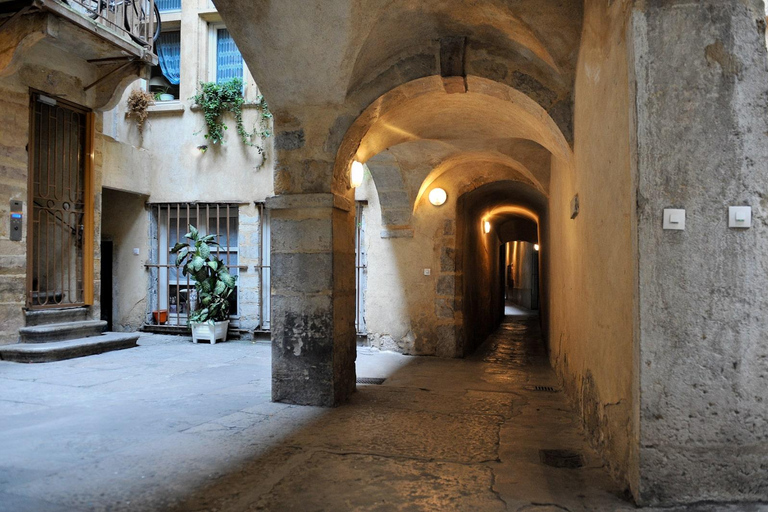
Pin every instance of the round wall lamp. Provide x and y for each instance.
(535, 247)
(486, 227)
(356, 174)
(437, 196)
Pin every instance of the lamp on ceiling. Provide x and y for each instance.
(356, 174)
(438, 196)
(486, 227)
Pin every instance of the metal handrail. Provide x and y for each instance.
(138, 19)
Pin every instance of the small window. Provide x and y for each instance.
(168, 5)
(226, 61)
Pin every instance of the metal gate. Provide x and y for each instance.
(57, 227)
(361, 268)
(264, 268)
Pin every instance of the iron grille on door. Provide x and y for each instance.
(172, 294)
(57, 151)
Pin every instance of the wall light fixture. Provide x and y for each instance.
(356, 174)
(437, 196)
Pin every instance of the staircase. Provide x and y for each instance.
(57, 334)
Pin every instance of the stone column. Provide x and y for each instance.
(313, 264)
(702, 138)
(313, 294)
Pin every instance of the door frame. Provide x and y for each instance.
(89, 202)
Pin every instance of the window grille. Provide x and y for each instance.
(264, 269)
(171, 293)
(58, 209)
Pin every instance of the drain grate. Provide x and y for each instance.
(567, 459)
(548, 389)
(370, 380)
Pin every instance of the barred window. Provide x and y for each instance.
(170, 290)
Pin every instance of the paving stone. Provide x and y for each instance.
(365, 482)
(171, 425)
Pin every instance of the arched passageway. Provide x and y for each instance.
(570, 102)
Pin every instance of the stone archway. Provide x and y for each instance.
(657, 120)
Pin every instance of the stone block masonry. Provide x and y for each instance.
(14, 106)
(313, 336)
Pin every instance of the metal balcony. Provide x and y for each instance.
(96, 30)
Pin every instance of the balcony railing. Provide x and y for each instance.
(137, 19)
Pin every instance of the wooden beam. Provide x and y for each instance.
(90, 201)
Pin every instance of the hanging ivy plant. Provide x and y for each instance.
(216, 99)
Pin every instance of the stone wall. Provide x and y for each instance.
(591, 257)
(702, 75)
(249, 283)
(407, 311)
(14, 105)
(47, 69)
(480, 262)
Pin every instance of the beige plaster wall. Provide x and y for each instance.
(163, 159)
(592, 258)
(126, 223)
(407, 311)
(163, 162)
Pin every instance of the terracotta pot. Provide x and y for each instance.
(160, 317)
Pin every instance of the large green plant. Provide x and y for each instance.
(213, 282)
(216, 99)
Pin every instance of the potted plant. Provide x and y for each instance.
(164, 95)
(213, 283)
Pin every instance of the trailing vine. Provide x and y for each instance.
(216, 99)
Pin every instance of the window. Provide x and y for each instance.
(170, 290)
(168, 5)
(166, 76)
(225, 61)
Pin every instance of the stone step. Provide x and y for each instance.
(60, 350)
(60, 332)
(55, 316)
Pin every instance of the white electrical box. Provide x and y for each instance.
(427, 271)
(674, 219)
(740, 217)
